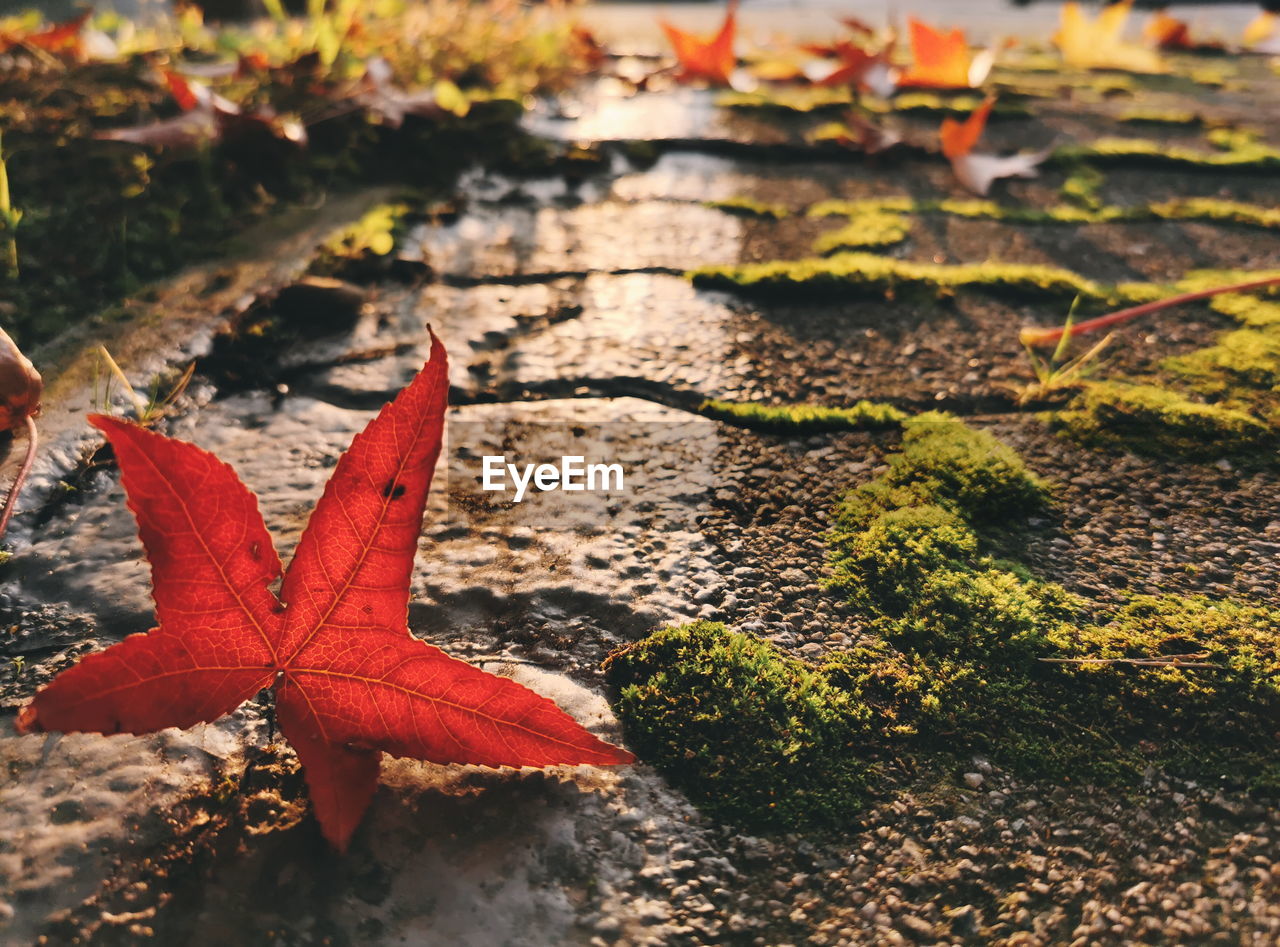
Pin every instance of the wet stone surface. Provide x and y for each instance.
(564, 308)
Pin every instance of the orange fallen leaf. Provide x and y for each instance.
(1166, 32)
(1099, 43)
(943, 61)
(978, 171)
(959, 138)
(1163, 31)
(709, 60)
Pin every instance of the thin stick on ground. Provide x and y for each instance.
(1033, 337)
(11, 501)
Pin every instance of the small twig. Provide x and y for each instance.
(1033, 336)
(1171, 660)
(139, 402)
(11, 501)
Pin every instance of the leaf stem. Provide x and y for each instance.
(11, 501)
(1047, 336)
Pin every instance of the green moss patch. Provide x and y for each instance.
(1248, 310)
(1082, 186)
(973, 654)
(803, 100)
(1212, 209)
(866, 273)
(797, 99)
(804, 418)
(356, 250)
(865, 231)
(948, 463)
(1217, 400)
(752, 735)
(1153, 419)
(935, 105)
(1151, 116)
(1248, 155)
(1084, 208)
(1249, 357)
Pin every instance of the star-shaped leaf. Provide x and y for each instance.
(350, 681)
(708, 60)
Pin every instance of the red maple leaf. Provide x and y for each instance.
(61, 37)
(350, 681)
(710, 60)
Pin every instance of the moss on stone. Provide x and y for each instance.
(1083, 209)
(1053, 214)
(373, 236)
(973, 655)
(946, 463)
(1154, 116)
(883, 563)
(804, 418)
(867, 273)
(799, 99)
(1152, 419)
(904, 547)
(749, 207)
(977, 613)
(1208, 76)
(1248, 310)
(1213, 720)
(932, 104)
(752, 735)
(1208, 208)
(1233, 137)
(816, 98)
(840, 207)
(1196, 280)
(1082, 186)
(968, 469)
(963, 638)
(1141, 151)
(866, 230)
(1249, 357)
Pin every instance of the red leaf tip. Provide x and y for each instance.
(28, 720)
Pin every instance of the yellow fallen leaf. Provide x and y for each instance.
(1099, 43)
(1263, 34)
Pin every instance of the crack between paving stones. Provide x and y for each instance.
(686, 400)
(456, 281)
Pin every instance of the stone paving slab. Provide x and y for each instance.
(563, 305)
